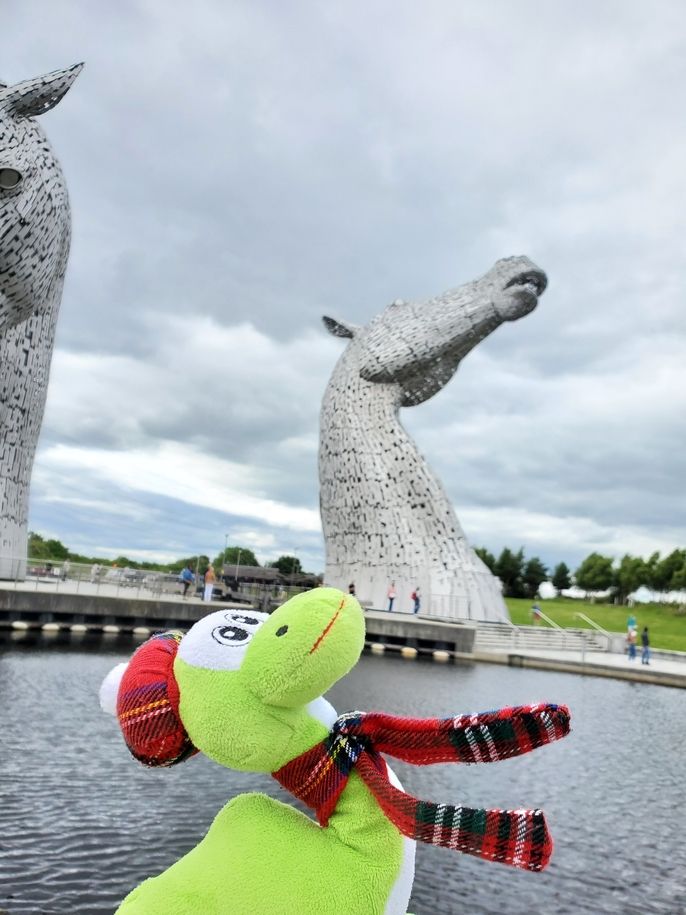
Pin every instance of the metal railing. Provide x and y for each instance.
(607, 635)
(499, 637)
(90, 578)
(96, 579)
(549, 621)
(592, 623)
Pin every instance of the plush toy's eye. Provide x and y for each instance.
(205, 642)
(245, 620)
(231, 635)
(282, 630)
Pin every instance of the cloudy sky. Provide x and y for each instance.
(238, 169)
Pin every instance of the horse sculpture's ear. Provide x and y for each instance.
(35, 96)
(338, 328)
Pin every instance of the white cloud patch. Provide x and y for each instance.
(183, 473)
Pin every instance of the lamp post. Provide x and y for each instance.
(238, 559)
(294, 560)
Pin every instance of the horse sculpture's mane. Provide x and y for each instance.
(35, 227)
(385, 515)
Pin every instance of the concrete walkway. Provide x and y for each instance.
(98, 589)
(663, 671)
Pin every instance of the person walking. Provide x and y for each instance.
(391, 594)
(186, 578)
(416, 599)
(210, 579)
(631, 642)
(645, 646)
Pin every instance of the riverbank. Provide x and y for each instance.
(34, 610)
(661, 671)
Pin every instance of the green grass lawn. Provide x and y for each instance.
(666, 627)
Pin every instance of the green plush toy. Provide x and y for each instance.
(246, 689)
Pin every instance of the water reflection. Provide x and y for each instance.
(81, 823)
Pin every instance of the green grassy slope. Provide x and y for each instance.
(667, 628)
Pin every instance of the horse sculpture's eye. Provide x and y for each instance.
(9, 178)
(231, 635)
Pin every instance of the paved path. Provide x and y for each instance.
(665, 671)
(170, 592)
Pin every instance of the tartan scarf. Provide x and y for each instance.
(516, 837)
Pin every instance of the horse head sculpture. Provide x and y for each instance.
(35, 229)
(386, 517)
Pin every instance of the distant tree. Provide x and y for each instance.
(57, 549)
(235, 554)
(678, 580)
(200, 562)
(534, 573)
(486, 557)
(508, 568)
(652, 564)
(561, 576)
(595, 573)
(630, 574)
(38, 548)
(666, 570)
(287, 565)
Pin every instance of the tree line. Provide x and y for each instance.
(598, 573)
(522, 577)
(238, 555)
(53, 550)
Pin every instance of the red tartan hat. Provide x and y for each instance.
(148, 704)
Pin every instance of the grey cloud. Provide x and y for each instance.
(270, 163)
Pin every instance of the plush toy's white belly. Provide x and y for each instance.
(402, 888)
(323, 711)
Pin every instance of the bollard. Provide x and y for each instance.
(441, 657)
(141, 631)
(19, 624)
(50, 627)
(78, 628)
(109, 629)
(407, 652)
(377, 648)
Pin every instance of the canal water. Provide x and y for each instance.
(81, 823)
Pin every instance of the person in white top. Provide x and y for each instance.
(210, 579)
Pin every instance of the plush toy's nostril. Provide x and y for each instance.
(282, 630)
